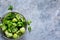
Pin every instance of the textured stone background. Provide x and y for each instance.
(45, 16)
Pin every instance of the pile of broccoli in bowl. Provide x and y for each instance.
(13, 25)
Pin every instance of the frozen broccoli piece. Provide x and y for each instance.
(10, 7)
(15, 36)
(14, 20)
(14, 30)
(3, 27)
(9, 29)
(29, 22)
(7, 16)
(22, 30)
(14, 24)
(19, 33)
(9, 23)
(23, 19)
(18, 16)
(8, 34)
(20, 24)
(4, 21)
(29, 28)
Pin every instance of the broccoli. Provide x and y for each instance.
(18, 16)
(22, 30)
(3, 27)
(23, 19)
(19, 24)
(29, 28)
(7, 16)
(15, 36)
(10, 7)
(8, 34)
(14, 30)
(29, 22)
(9, 29)
(14, 24)
(19, 33)
(14, 20)
(9, 23)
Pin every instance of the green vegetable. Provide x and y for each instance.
(9, 29)
(20, 24)
(23, 20)
(3, 27)
(14, 20)
(9, 24)
(10, 7)
(14, 30)
(7, 16)
(14, 25)
(18, 31)
(18, 16)
(8, 34)
(29, 22)
(15, 36)
(22, 30)
(29, 28)
(7, 21)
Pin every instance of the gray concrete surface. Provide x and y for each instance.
(45, 16)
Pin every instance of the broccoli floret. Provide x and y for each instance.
(23, 19)
(4, 21)
(10, 7)
(7, 16)
(9, 29)
(18, 16)
(9, 23)
(20, 24)
(29, 28)
(22, 30)
(15, 36)
(14, 30)
(14, 20)
(8, 34)
(19, 33)
(3, 27)
(29, 22)
(14, 24)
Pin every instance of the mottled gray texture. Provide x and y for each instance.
(45, 16)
